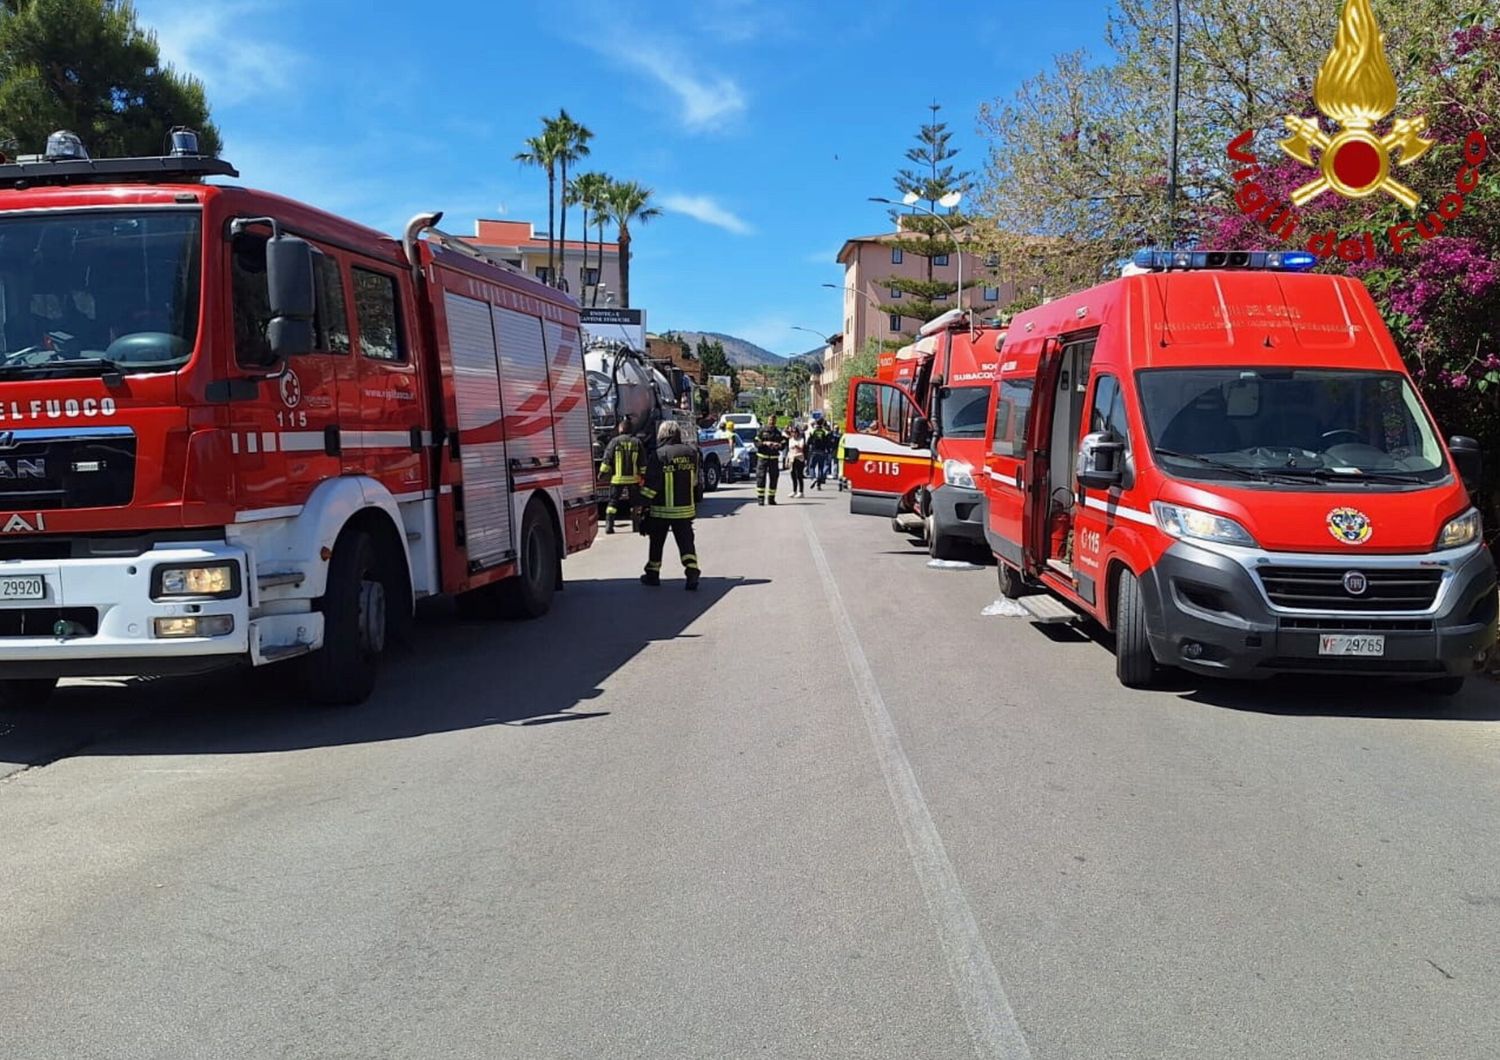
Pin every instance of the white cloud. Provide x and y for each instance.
(738, 21)
(703, 208)
(224, 43)
(705, 101)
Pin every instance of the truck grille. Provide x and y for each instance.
(80, 468)
(42, 621)
(1322, 588)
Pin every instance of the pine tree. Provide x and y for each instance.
(931, 176)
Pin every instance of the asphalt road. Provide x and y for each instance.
(822, 808)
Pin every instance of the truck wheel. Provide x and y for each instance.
(1012, 585)
(710, 476)
(1135, 666)
(529, 594)
(342, 672)
(27, 691)
(1451, 685)
(939, 546)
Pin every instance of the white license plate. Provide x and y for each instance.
(30, 588)
(1346, 644)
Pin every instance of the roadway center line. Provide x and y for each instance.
(992, 1023)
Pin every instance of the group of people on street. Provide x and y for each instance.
(660, 494)
(658, 490)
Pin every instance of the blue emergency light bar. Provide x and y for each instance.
(1168, 260)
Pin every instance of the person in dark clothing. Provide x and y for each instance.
(622, 462)
(820, 453)
(769, 443)
(671, 484)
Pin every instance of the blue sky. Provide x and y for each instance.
(751, 119)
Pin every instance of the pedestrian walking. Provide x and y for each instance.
(669, 491)
(769, 442)
(820, 450)
(796, 454)
(622, 462)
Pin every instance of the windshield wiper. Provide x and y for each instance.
(67, 366)
(1328, 474)
(1248, 472)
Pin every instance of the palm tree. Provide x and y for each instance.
(542, 151)
(628, 201)
(587, 190)
(572, 144)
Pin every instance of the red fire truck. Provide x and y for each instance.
(1224, 462)
(914, 435)
(236, 428)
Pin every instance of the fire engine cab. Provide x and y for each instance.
(236, 428)
(1222, 459)
(914, 435)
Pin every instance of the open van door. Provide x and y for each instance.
(887, 446)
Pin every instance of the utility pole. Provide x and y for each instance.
(1172, 158)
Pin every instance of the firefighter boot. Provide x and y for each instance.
(692, 579)
(609, 525)
(651, 578)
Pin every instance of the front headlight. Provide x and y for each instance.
(958, 473)
(1460, 531)
(1190, 523)
(216, 580)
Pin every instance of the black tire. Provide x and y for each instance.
(940, 545)
(1012, 584)
(27, 691)
(529, 594)
(1135, 666)
(355, 625)
(1451, 685)
(711, 476)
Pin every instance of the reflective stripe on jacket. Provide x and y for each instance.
(622, 459)
(672, 482)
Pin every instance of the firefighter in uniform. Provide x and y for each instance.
(671, 485)
(769, 443)
(622, 461)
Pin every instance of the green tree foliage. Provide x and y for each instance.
(587, 190)
(931, 176)
(543, 151)
(573, 144)
(720, 399)
(88, 66)
(716, 361)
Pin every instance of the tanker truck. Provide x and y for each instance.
(623, 382)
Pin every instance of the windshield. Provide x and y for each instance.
(965, 411)
(746, 435)
(1320, 424)
(93, 290)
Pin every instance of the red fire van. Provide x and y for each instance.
(1224, 461)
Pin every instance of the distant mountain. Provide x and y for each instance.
(741, 352)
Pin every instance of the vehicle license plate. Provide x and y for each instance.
(32, 588)
(1345, 644)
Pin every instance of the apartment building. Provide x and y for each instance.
(871, 260)
(519, 244)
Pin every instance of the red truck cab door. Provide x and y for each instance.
(887, 446)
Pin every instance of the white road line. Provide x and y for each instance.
(992, 1023)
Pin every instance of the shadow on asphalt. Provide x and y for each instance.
(456, 675)
(1306, 695)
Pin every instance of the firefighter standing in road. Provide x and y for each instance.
(769, 443)
(622, 461)
(671, 485)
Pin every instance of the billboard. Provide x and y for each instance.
(617, 325)
(721, 380)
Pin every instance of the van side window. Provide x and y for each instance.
(1108, 413)
(1012, 413)
(379, 321)
(331, 323)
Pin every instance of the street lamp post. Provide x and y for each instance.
(950, 200)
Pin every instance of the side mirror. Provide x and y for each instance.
(1468, 460)
(1101, 461)
(289, 282)
(921, 433)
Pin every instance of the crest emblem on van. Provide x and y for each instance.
(1349, 525)
(1354, 90)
